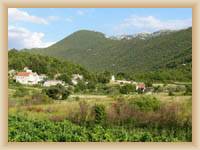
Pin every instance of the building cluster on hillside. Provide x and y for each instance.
(138, 85)
(29, 77)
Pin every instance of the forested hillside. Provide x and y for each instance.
(98, 53)
(43, 64)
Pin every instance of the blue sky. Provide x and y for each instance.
(41, 27)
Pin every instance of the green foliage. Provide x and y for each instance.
(104, 77)
(99, 112)
(37, 98)
(167, 50)
(21, 92)
(81, 86)
(44, 65)
(147, 103)
(22, 129)
(148, 83)
(188, 90)
(58, 92)
(113, 90)
(171, 93)
(127, 88)
(65, 77)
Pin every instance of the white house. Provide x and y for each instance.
(114, 81)
(27, 78)
(42, 77)
(52, 83)
(76, 78)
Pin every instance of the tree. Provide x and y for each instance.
(81, 86)
(65, 77)
(188, 90)
(57, 92)
(148, 83)
(103, 77)
(127, 88)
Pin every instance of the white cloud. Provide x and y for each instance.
(81, 12)
(23, 38)
(69, 19)
(85, 11)
(15, 14)
(150, 23)
(53, 18)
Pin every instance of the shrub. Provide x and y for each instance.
(65, 77)
(57, 92)
(148, 83)
(171, 93)
(80, 87)
(146, 103)
(126, 89)
(156, 89)
(21, 92)
(99, 113)
(188, 90)
(103, 77)
(37, 98)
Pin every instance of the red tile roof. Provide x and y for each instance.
(141, 85)
(23, 73)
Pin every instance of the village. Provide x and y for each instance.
(28, 77)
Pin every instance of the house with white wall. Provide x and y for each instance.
(28, 77)
(53, 83)
(76, 78)
(114, 81)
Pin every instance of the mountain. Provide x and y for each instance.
(137, 53)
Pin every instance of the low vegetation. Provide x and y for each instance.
(38, 117)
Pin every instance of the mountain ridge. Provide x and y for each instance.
(94, 51)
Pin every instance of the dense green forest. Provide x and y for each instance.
(174, 70)
(95, 52)
(43, 64)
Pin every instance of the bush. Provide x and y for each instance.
(80, 87)
(21, 92)
(148, 83)
(188, 90)
(171, 93)
(126, 89)
(147, 103)
(65, 77)
(113, 90)
(103, 77)
(99, 113)
(156, 89)
(57, 92)
(38, 98)
(23, 129)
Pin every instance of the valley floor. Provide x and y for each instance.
(102, 118)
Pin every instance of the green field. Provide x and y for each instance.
(131, 117)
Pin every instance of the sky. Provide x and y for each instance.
(42, 27)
